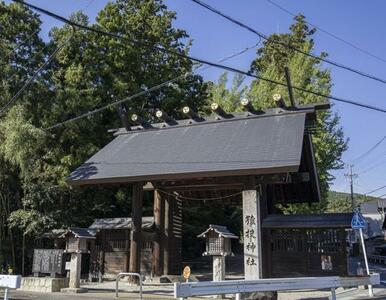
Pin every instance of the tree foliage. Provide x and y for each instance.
(307, 73)
(89, 71)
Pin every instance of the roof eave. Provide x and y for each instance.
(180, 176)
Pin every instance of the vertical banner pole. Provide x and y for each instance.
(371, 294)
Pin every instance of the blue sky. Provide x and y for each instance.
(359, 22)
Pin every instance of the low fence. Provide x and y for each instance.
(238, 287)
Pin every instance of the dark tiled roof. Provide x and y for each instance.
(341, 220)
(121, 223)
(80, 233)
(243, 145)
(222, 231)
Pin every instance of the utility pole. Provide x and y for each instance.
(350, 175)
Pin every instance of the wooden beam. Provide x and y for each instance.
(136, 231)
(248, 106)
(283, 178)
(166, 236)
(202, 187)
(216, 108)
(265, 235)
(160, 114)
(316, 106)
(231, 183)
(157, 264)
(192, 114)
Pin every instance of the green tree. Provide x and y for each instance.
(21, 52)
(90, 71)
(307, 73)
(228, 98)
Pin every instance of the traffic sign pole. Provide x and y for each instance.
(371, 294)
(358, 222)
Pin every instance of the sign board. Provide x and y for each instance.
(357, 221)
(10, 281)
(48, 261)
(186, 273)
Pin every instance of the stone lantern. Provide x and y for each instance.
(78, 241)
(218, 244)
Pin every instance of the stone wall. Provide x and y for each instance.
(43, 284)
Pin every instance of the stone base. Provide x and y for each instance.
(74, 290)
(43, 284)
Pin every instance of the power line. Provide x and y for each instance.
(199, 60)
(21, 43)
(359, 158)
(377, 189)
(374, 166)
(329, 33)
(154, 88)
(113, 104)
(34, 76)
(265, 37)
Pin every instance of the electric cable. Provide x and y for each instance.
(265, 37)
(329, 33)
(199, 60)
(35, 75)
(359, 158)
(145, 91)
(375, 190)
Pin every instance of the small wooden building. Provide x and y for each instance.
(308, 245)
(112, 248)
(105, 246)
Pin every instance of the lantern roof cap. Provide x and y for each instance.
(222, 231)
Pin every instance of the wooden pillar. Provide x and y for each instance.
(101, 257)
(127, 250)
(252, 231)
(157, 264)
(136, 231)
(166, 236)
(265, 235)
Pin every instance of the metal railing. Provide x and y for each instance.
(238, 287)
(120, 275)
